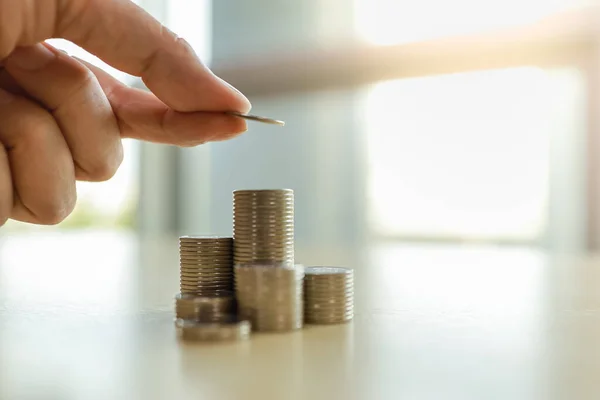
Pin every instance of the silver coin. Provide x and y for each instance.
(324, 271)
(264, 120)
(263, 192)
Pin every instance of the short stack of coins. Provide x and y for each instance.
(206, 264)
(263, 226)
(206, 279)
(270, 296)
(328, 295)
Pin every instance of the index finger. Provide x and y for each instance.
(128, 38)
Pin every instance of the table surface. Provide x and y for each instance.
(90, 316)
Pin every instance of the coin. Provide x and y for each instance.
(206, 264)
(213, 252)
(204, 238)
(206, 273)
(232, 329)
(323, 312)
(201, 264)
(264, 255)
(329, 320)
(208, 278)
(216, 253)
(261, 192)
(257, 118)
(215, 284)
(331, 307)
(205, 245)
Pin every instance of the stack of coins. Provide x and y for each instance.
(211, 308)
(270, 296)
(263, 226)
(328, 295)
(206, 265)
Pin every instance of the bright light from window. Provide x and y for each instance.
(192, 21)
(461, 155)
(385, 22)
(78, 52)
(111, 197)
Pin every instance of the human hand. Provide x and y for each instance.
(62, 120)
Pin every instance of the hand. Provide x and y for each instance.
(62, 120)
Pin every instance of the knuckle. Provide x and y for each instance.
(183, 44)
(105, 169)
(170, 41)
(102, 172)
(81, 73)
(82, 81)
(53, 213)
(74, 17)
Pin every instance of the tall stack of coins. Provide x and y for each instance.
(328, 295)
(206, 265)
(211, 308)
(270, 296)
(263, 226)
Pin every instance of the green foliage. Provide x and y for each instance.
(86, 216)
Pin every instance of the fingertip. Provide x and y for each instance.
(239, 102)
(186, 129)
(182, 82)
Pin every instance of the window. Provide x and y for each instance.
(465, 155)
(385, 22)
(434, 120)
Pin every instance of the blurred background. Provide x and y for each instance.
(423, 121)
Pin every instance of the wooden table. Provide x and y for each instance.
(89, 316)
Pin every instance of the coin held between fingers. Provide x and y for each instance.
(257, 118)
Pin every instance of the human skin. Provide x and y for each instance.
(62, 120)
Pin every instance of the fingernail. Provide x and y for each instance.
(31, 58)
(5, 97)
